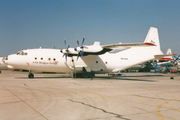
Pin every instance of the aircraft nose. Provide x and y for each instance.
(4, 59)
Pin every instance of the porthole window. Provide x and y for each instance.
(41, 58)
(49, 59)
(35, 58)
(96, 61)
(54, 59)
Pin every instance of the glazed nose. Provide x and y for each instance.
(4, 59)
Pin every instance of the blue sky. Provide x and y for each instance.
(26, 24)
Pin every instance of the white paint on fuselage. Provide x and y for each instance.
(52, 60)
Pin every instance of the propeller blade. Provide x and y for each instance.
(81, 51)
(81, 54)
(66, 50)
(65, 42)
(83, 41)
(78, 56)
(68, 46)
(78, 42)
(66, 56)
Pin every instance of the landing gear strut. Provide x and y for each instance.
(30, 75)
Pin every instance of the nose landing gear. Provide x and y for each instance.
(30, 75)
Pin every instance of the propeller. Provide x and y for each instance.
(65, 51)
(176, 59)
(80, 53)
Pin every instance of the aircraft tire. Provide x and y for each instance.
(31, 75)
(0, 71)
(85, 75)
(92, 75)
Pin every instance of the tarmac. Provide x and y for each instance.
(136, 96)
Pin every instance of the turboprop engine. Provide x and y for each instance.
(92, 48)
(88, 50)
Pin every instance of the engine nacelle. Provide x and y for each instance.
(69, 50)
(63, 50)
(91, 49)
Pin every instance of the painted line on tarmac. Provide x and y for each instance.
(165, 102)
(24, 102)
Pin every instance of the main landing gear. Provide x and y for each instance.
(30, 75)
(83, 75)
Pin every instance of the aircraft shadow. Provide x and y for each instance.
(43, 77)
(123, 78)
(128, 78)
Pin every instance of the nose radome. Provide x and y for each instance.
(4, 59)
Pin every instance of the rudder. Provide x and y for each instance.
(153, 37)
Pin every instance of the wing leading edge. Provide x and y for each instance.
(121, 46)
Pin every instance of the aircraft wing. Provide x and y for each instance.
(96, 49)
(121, 46)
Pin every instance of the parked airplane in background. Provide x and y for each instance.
(166, 58)
(86, 61)
(2, 65)
(167, 61)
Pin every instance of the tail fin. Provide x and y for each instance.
(153, 37)
(169, 51)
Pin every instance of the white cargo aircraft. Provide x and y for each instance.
(86, 61)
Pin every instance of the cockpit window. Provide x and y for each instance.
(21, 53)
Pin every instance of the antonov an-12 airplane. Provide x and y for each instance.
(86, 61)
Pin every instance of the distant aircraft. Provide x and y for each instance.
(147, 66)
(166, 58)
(2, 65)
(168, 61)
(86, 61)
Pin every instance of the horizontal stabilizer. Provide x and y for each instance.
(161, 56)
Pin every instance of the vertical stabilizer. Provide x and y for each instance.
(169, 51)
(153, 37)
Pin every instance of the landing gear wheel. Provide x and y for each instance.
(31, 75)
(92, 75)
(85, 75)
